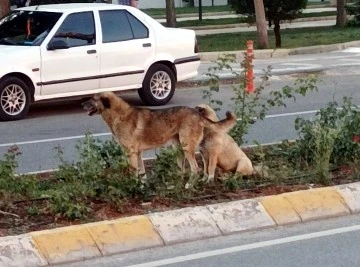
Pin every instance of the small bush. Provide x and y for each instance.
(353, 9)
(346, 146)
(250, 107)
(101, 174)
(166, 178)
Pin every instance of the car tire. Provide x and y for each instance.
(158, 86)
(15, 99)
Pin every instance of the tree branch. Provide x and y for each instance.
(9, 214)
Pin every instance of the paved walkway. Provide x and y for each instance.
(293, 25)
(209, 16)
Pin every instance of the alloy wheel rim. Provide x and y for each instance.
(13, 100)
(160, 85)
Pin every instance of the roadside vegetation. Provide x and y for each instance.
(101, 186)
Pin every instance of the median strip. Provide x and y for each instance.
(76, 243)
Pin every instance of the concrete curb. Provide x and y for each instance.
(279, 53)
(76, 243)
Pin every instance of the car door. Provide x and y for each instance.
(75, 68)
(127, 49)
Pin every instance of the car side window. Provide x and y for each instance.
(115, 26)
(140, 31)
(119, 25)
(78, 29)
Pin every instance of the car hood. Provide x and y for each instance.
(11, 53)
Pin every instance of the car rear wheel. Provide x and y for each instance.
(14, 99)
(158, 86)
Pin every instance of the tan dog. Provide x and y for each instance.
(140, 129)
(220, 149)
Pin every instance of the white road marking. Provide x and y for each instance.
(351, 50)
(52, 140)
(300, 64)
(144, 159)
(257, 245)
(109, 134)
(291, 114)
(350, 64)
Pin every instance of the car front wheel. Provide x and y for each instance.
(158, 86)
(14, 99)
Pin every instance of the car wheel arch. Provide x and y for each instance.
(167, 63)
(25, 79)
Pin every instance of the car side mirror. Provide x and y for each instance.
(57, 45)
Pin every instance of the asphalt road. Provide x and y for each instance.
(64, 124)
(330, 243)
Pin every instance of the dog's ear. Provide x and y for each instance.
(105, 101)
(201, 110)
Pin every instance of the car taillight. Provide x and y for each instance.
(196, 48)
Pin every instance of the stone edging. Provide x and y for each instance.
(76, 243)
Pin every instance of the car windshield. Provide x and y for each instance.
(28, 28)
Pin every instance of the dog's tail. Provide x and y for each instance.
(224, 125)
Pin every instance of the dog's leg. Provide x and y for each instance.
(180, 159)
(142, 172)
(212, 167)
(134, 160)
(190, 156)
(205, 160)
(189, 151)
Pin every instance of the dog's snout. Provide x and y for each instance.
(87, 104)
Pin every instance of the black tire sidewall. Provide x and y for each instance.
(145, 93)
(14, 80)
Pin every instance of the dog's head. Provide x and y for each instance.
(207, 112)
(98, 103)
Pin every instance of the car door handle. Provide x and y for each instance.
(147, 45)
(91, 51)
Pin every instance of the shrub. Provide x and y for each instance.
(250, 107)
(346, 119)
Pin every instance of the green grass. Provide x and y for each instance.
(291, 38)
(208, 22)
(318, 3)
(186, 10)
(317, 14)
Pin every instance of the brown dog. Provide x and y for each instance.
(220, 149)
(139, 129)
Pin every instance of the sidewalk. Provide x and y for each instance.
(224, 15)
(288, 25)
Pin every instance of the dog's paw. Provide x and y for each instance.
(210, 179)
(143, 178)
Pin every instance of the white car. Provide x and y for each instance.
(70, 50)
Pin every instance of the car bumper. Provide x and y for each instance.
(187, 68)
